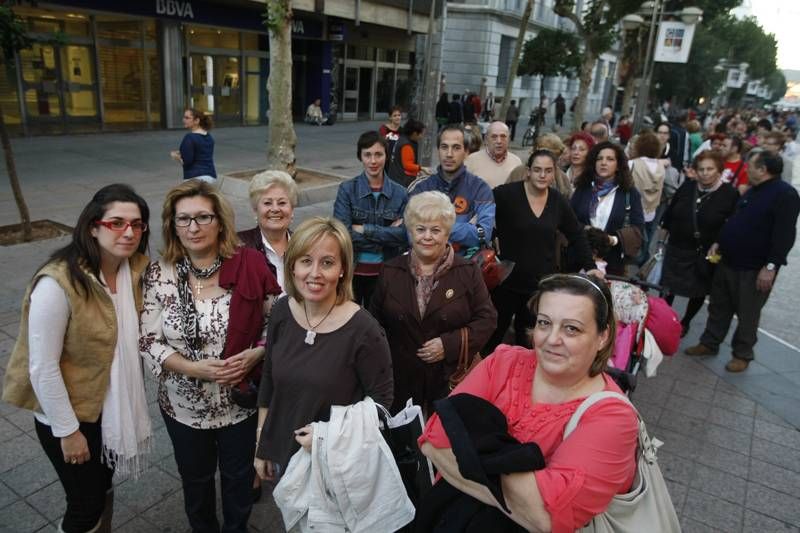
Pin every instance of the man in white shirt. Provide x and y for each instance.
(494, 163)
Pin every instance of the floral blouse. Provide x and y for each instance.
(193, 402)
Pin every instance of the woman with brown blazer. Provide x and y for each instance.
(423, 300)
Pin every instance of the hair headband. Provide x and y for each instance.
(583, 278)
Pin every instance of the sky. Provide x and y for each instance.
(781, 17)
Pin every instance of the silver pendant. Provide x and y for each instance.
(310, 335)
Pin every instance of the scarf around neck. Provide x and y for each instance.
(126, 428)
(599, 190)
(425, 284)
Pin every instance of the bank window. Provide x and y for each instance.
(366, 53)
(387, 56)
(249, 41)
(50, 21)
(405, 57)
(123, 30)
(210, 38)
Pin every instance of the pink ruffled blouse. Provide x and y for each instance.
(583, 472)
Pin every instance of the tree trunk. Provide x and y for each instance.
(539, 111)
(512, 76)
(11, 167)
(627, 98)
(282, 138)
(430, 93)
(589, 60)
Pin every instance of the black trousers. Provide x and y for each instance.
(85, 485)
(734, 292)
(363, 287)
(197, 453)
(510, 304)
(512, 125)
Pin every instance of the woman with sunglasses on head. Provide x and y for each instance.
(76, 363)
(203, 333)
(537, 392)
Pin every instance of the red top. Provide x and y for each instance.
(583, 472)
(730, 170)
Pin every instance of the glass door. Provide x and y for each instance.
(60, 87)
(365, 93)
(215, 87)
(350, 100)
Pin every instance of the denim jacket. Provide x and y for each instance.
(355, 204)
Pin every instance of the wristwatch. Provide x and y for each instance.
(770, 267)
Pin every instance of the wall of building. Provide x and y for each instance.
(474, 35)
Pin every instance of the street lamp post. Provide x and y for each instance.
(656, 10)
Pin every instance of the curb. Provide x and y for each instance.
(236, 187)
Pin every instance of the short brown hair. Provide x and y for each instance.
(173, 250)
(597, 291)
(305, 237)
(713, 155)
(647, 145)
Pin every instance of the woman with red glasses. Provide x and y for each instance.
(76, 360)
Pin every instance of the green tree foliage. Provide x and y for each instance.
(597, 28)
(721, 38)
(551, 53)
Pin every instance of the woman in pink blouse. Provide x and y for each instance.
(538, 391)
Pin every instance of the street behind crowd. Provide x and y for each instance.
(732, 447)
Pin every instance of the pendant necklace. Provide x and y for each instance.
(310, 333)
(202, 274)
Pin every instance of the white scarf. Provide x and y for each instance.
(126, 426)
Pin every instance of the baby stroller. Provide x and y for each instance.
(647, 330)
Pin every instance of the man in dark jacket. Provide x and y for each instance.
(754, 243)
(455, 116)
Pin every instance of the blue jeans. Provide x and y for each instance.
(197, 452)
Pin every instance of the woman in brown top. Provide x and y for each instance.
(424, 299)
(322, 348)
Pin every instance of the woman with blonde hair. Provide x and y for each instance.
(273, 197)
(324, 349)
(425, 299)
(203, 331)
(553, 144)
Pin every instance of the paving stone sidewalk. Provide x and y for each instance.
(732, 448)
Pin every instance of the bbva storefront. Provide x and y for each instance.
(104, 65)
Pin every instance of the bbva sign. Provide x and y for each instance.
(175, 8)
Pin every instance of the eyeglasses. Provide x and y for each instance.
(121, 226)
(185, 221)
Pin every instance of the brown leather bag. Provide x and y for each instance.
(466, 361)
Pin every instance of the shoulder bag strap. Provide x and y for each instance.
(736, 174)
(695, 227)
(627, 221)
(590, 401)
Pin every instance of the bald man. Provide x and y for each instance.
(494, 162)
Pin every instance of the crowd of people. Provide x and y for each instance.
(255, 337)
